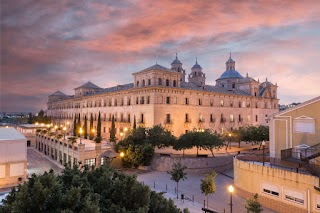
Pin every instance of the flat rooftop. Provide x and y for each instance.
(10, 133)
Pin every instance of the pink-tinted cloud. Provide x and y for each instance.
(48, 45)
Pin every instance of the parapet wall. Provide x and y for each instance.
(281, 190)
(194, 164)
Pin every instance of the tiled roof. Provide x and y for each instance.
(58, 93)
(156, 67)
(192, 86)
(89, 84)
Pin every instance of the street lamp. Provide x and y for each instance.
(121, 134)
(37, 123)
(80, 132)
(64, 132)
(263, 146)
(122, 154)
(230, 188)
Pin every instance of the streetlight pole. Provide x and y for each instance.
(64, 133)
(263, 146)
(230, 188)
(80, 131)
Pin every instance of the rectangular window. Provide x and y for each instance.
(256, 118)
(104, 129)
(211, 102)
(200, 101)
(187, 101)
(128, 101)
(168, 118)
(248, 104)
(248, 118)
(149, 82)
(129, 120)
(137, 100)
(142, 118)
(148, 99)
(270, 189)
(121, 117)
(221, 103)
(75, 161)
(168, 100)
(142, 100)
(293, 196)
(212, 119)
(231, 103)
(90, 162)
(187, 118)
(231, 118)
(294, 199)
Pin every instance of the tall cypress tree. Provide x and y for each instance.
(91, 135)
(99, 126)
(30, 118)
(75, 125)
(79, 125)
(113, 130)
(134, 122)
(85, 129)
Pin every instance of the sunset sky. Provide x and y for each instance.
(49, 45)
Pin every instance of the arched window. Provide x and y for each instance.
(159, 81)
(167, 83)
(137, 83)
(143, 82)
(174, 83)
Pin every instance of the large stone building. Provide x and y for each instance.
(292, 183)
(159, 95)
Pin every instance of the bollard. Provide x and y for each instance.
(192, 198)
(175, 190)
(166, 187)
(204, 203)
(154, 185)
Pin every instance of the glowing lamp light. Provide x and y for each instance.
(56, 127)
(37, 123)
(93, 130)
(121, 134)
(125, 129)
(7, 126)
(80, 131)
(48, 125)
(230, 134)
(64, 128)
(230, 188)
(122, 154)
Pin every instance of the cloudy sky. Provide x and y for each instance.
(51, 45)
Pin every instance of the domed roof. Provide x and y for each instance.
(196, 65)
(230, 74)
(176, 61)
(246, 79)
(266, 83)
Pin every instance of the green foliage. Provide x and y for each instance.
(30, 118)
(98, 139)
(85, 128)
(252, 204)
(91, 134)
(113, 130)
(75, 125)
(78, 126)
(41, 118)
(160, 137)
(254, 134)
(208, 185)
(140, 142)
(177, 173)
(99, 190)
(134, 122)
(99, 126)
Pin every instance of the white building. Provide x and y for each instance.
(13, 157)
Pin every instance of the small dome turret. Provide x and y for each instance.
(196, 65)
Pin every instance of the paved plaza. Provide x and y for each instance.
(191, 190)
(38, 163)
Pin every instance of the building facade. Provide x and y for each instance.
(13, 157)
(159, 95)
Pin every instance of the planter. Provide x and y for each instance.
(145, 168)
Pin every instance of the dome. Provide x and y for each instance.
(230, 74)
(176, 61)
(196, 65)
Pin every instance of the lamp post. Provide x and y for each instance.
(80, 132)
(263, 146)
(230, 188)
(64, 132)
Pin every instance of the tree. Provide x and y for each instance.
(208, 185)
(79, 125)
(30, 118)
(75, 125)
(160, 137)
(87, 190)
(134, 122)
(183, 143)
(252, 204)
(177, 173)
(210, 141)
(98, 138)
(91, 134)
(113, 130)
(85, 127)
